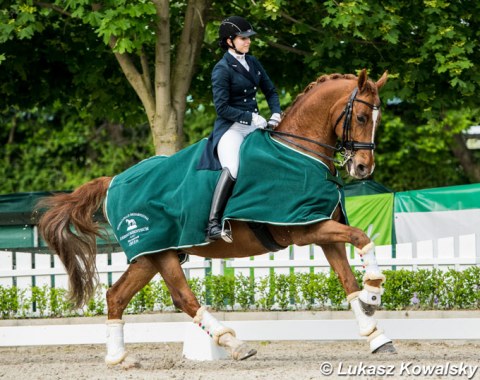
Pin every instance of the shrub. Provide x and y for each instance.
(404, 289)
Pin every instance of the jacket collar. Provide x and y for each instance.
(238, 67)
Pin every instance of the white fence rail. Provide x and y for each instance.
(25, 269)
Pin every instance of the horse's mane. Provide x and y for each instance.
(321, 79)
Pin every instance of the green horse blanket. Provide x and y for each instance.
(164, 202)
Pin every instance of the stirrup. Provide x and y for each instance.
(227, 233)
(224, 234)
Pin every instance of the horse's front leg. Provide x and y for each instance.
(332, 232)
(183, 298)
(332, 236)
(137, 275)
(337, 257)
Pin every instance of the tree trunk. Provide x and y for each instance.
(173, 79)
(465, 157)
(165, 101)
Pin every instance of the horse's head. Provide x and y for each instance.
(335, 107)
(361, 118)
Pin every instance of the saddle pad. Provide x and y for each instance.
(164, 202)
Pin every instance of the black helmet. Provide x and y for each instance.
(235, 26)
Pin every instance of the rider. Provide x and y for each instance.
(235, 81)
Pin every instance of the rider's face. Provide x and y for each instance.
(242, 44)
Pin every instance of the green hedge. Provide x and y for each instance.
(404, 290)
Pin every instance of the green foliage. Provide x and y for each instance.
(265, 293)
(57, 304)
(407, 150)
(40, 299)
(12, 302)
(61, 154)
(432, 289)
(424, 289)
(245, 289)
(398, 289)
(220, 290)
(96, 305)
(69, 114)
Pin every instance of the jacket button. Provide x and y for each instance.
(255, 88)
(244, 100)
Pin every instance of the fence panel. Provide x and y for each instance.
(25, 269)
(6, 267)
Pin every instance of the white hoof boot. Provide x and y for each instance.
(371, 295)
(238, 349)
(366, 324)
(223, 336)
(370, 265)
(378, 339)
(115, 343)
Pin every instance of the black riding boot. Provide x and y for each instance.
(222, 192)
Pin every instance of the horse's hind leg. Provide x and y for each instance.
(183, 298)
(137, 275)
(337, 257)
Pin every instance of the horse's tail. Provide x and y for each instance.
(68, 228)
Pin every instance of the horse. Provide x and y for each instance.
(333, 120)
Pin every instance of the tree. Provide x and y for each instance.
(429, 49)
(157, 66)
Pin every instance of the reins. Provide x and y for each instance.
(347, 146)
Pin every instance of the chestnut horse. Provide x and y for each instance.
(335, 113)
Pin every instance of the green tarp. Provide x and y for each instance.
(372, 213)
(437, 213)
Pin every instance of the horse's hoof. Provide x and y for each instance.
(243, 352)
(387, 348)
(129, 363)
(366, 308)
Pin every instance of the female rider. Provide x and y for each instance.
(235, 81)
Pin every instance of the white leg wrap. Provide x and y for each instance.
(372, 271)
(377, 339)
(366, 324)
(371, 295)
(115, 344)
(211, 325)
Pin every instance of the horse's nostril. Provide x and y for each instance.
(362, 170)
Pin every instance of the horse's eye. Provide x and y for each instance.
(361, 119)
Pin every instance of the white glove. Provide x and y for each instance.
(258, 121)
(275, 119)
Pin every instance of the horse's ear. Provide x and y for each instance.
(362, 80)
(381, 82)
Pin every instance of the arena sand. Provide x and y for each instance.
(276, 360)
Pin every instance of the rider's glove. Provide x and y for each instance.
(275, 119)
(258, 121)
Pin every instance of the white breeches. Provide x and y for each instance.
(229, 146)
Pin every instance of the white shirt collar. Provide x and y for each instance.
(240, 58)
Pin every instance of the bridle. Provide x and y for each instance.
(347, 146)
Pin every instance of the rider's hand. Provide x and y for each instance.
(275, 119)
(258, 121)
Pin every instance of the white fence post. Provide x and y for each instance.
(458, 252)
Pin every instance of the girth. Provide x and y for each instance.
(261, 232)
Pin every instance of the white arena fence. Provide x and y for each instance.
(25, 269)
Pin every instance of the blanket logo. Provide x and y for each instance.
(132, 227)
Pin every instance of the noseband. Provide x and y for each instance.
(347, 146)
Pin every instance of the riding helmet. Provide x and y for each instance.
(234, 26)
